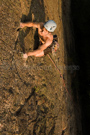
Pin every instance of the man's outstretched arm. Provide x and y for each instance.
(30, 24)
(39, 50)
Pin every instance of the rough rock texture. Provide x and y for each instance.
(33, 99)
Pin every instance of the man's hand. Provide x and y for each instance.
(22, 25)
(25, 56)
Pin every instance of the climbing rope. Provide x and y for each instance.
(60, 75)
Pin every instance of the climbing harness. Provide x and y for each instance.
(55, 45)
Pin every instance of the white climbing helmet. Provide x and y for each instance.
(50, 25)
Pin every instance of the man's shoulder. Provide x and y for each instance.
(48, 41)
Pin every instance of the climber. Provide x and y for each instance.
(45, 37)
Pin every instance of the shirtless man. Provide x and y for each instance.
(45, 36)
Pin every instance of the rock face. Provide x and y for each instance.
(33, 98)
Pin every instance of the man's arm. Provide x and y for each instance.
(39, 50)
(30, 24)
